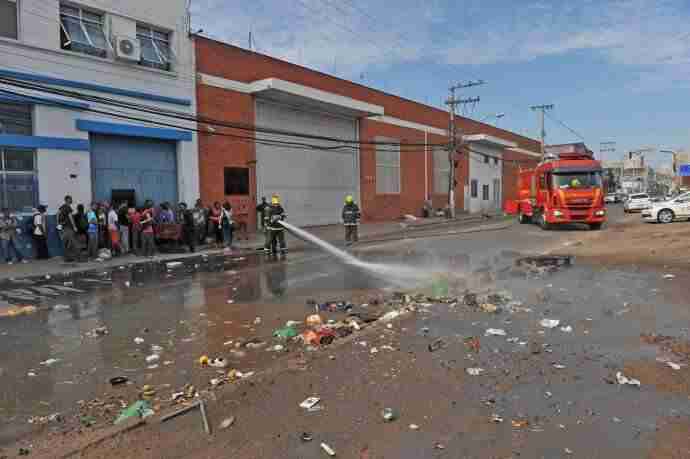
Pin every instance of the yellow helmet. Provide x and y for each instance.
(275, 199)
(349, 199)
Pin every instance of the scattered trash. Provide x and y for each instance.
(474, 371)
(669, 276)
(675, 366)
(148, 392)
(117, 380)
(496, 419)
(128, 284)
(140, 408)
(489, 307)
(558, 366)
(218, 362)
(519, 423)
(24, 451)
(306, 437)
(14, 311)
(138, 340)
(310, 402)
(173, 264)
(31, 374)
(277, 348)
(568, 451)
(314, 320)
(437, 344)
(156, 348)
(549, 323)
(330, 451)
(622, 380)
(473, 343)
(61, 307)
(616, 420)
(231, 301)
(392, 315)
(495, 332)
(98, 331)
(227, 422)
(257, 321)
(389, 414)
(152, 358)
(414, 427)
(203, 360)
(286, 332)
(567, 329)
(49, 362)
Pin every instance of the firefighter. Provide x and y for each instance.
(275, 231)
(575, 183)
(351, 216)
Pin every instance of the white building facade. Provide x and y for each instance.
(58, 136)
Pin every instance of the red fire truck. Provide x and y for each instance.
(566, 187)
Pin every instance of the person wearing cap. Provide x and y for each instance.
(9, 231)
(276, 231)
(351, 217)
(39, 233)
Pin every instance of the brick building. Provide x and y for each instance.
(394, 162)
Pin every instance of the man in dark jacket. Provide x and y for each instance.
(186, 219)
(262, 210)
(68, 230)
(276, 232)
(351, 217)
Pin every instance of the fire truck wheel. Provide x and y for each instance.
(595, 226)
(543, 224)
(524, 219)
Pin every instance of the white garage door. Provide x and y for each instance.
(311, 183)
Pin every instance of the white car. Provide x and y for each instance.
(637, 202)
(611, 198)
(668, 211)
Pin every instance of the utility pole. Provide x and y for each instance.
(610, 147)
(542, 109)
(454, 144)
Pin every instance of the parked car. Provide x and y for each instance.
(637, 202)
(667, 211)
(611, 198)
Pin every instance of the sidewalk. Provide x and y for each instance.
(332, 233)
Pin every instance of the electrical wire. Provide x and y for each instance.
(192, 118)
(553, 118)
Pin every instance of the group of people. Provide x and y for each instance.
(122, 228)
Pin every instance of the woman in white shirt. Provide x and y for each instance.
(39, 233)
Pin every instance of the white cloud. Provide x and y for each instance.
(648, 37)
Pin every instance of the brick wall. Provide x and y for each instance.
(216, 152)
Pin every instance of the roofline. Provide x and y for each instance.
(369, 88)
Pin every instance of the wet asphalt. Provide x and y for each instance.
(205, 305)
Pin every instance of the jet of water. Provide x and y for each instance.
(402, 276)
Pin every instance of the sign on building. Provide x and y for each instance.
(684, 170)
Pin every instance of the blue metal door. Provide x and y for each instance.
(147, 166)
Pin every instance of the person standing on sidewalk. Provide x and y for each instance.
(134, 217)
(67, 230)
(114, 231)
(200, 221)
(39, 233)
(188, 227)
(123, 219)
(228, 224)
(215, 220)
(148, 244)
(351, 217)
(276, 230)
(9, 230)
(92, 232)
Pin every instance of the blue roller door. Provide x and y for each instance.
(147, 166)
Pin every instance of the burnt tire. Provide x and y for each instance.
(666, 216)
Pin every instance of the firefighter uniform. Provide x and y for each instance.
(275, 231)
(351, 217)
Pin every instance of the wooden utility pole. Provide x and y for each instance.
(454, 143)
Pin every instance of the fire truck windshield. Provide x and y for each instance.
(577, 180)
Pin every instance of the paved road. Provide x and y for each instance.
(553, 386)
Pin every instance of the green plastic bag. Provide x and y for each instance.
(285, 333)
(439, 287)
(140, 408)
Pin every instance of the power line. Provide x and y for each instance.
(192, 118)
(577, 134)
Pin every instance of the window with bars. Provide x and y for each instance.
(156, 51)
(441, 171)
(387, 167)
(83, 31)
(485, 192)
(474, 188)
(18, 178)
(9, 19)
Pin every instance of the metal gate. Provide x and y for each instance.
(311, 182)
(122, 164)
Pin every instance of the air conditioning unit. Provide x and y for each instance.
(127, 48)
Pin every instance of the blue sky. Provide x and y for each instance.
(615, 71)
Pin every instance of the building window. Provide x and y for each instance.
(497, 191)
(387, 167)
(83, 31)
(9, 19)
(495, 161)
(441, 171)
(18, 178)
(473, 188)
(236, 181)
(485, 192)
(486, 159)
(156, 51)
